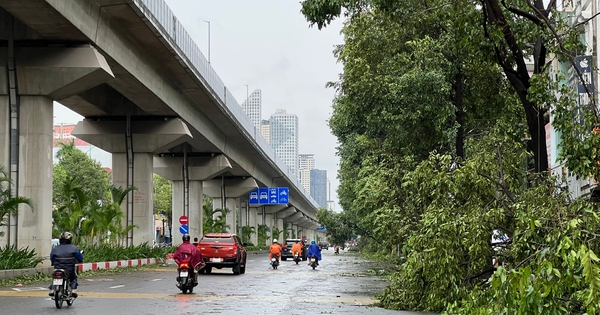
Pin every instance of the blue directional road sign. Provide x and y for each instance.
(322, 228)
(269, 196)
(184, 229)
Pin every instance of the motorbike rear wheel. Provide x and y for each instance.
(58, 301)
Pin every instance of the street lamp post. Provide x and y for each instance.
(247, 95)
(208, 40)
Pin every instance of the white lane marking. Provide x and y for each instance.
(31, 289)
(117, 286)
(155, 279)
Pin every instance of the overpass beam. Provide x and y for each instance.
(30, 80)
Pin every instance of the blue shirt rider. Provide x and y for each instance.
(65, 256)
(314, 250)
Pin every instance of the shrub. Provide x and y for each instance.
(108, 252)
(13, 258)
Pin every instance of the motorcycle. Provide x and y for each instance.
(62, 288)
(297, 258)
(185, 280)
(336, 250)
(314, 262)
(274, 262)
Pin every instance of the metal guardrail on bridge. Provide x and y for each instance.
(171, 32)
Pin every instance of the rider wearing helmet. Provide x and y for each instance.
(275, 249)
(187, 252)
(314, 251)
(297, 248)
(65, 256)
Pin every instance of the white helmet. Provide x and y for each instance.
(274, 240)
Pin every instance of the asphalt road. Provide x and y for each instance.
(340, 285)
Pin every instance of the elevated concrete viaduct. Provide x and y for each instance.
(149, 97)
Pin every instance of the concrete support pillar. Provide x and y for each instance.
(176, 211)
(269, 223)
(4, 144)
(196, 213)
(142, 198)
(253, 219)
(39, 75)
(231, 219)
(34, 228)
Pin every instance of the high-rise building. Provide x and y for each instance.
(306, 162)
(304, 176)
(265, 130)
(252, 107)
(318, 187)
(284, 137)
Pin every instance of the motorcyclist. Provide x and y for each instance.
(65, 256)
(275, 249)
(314, 250)
(297, 248)
(187, 252)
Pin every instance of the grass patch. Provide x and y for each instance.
(41, 278)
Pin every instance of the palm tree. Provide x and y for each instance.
(211, 224)
(117, 231)
(9, 205)
(247, 232)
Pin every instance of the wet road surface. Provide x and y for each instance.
(341, 284)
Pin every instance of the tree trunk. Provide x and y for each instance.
(519, 78)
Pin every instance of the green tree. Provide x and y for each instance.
(9, 205)
(247, 232)
(88, 220)
(275, 233)
(338, 230)
(214, 219)
(437, 117)
(163, 195)
(89, 175)
(262, 234)
(512, 33)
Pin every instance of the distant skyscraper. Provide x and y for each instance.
(265, 130)
(252, 107)
(306, 162)
(284, 137)
(318, 187)
(330, 203)
(304, 176)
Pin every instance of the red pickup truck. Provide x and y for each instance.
(223, 250)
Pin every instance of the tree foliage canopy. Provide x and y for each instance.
(88, 175)
(440, 114)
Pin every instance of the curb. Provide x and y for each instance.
(14, 273)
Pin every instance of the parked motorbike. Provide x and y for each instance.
(336, 250)
(314, 262)
(62, 288)
(297, 258)
(274, 262)
(185, 280)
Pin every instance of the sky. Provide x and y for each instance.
(268, 45)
